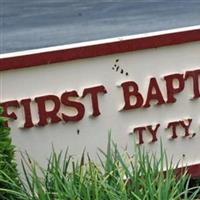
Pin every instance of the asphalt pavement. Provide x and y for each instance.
(30, 24)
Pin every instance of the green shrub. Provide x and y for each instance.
(117, 176)
(8, 167)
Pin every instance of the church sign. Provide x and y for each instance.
(144, 88)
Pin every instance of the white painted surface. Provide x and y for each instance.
(79, 74)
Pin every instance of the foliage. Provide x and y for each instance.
(119, 176)
(8, 167)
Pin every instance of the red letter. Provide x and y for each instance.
(186, 126)
(153, 132)
(44, 115)
(94, 95)
(194, 75)
(154, 93)
(171, 90)
(27, 113)
(173, 125)
(140, 131)
(77, 105)
(130, 89)
(6, 105)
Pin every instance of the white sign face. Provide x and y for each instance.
(143, 96)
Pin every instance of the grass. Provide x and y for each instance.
(8, 166)
(116, 176)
